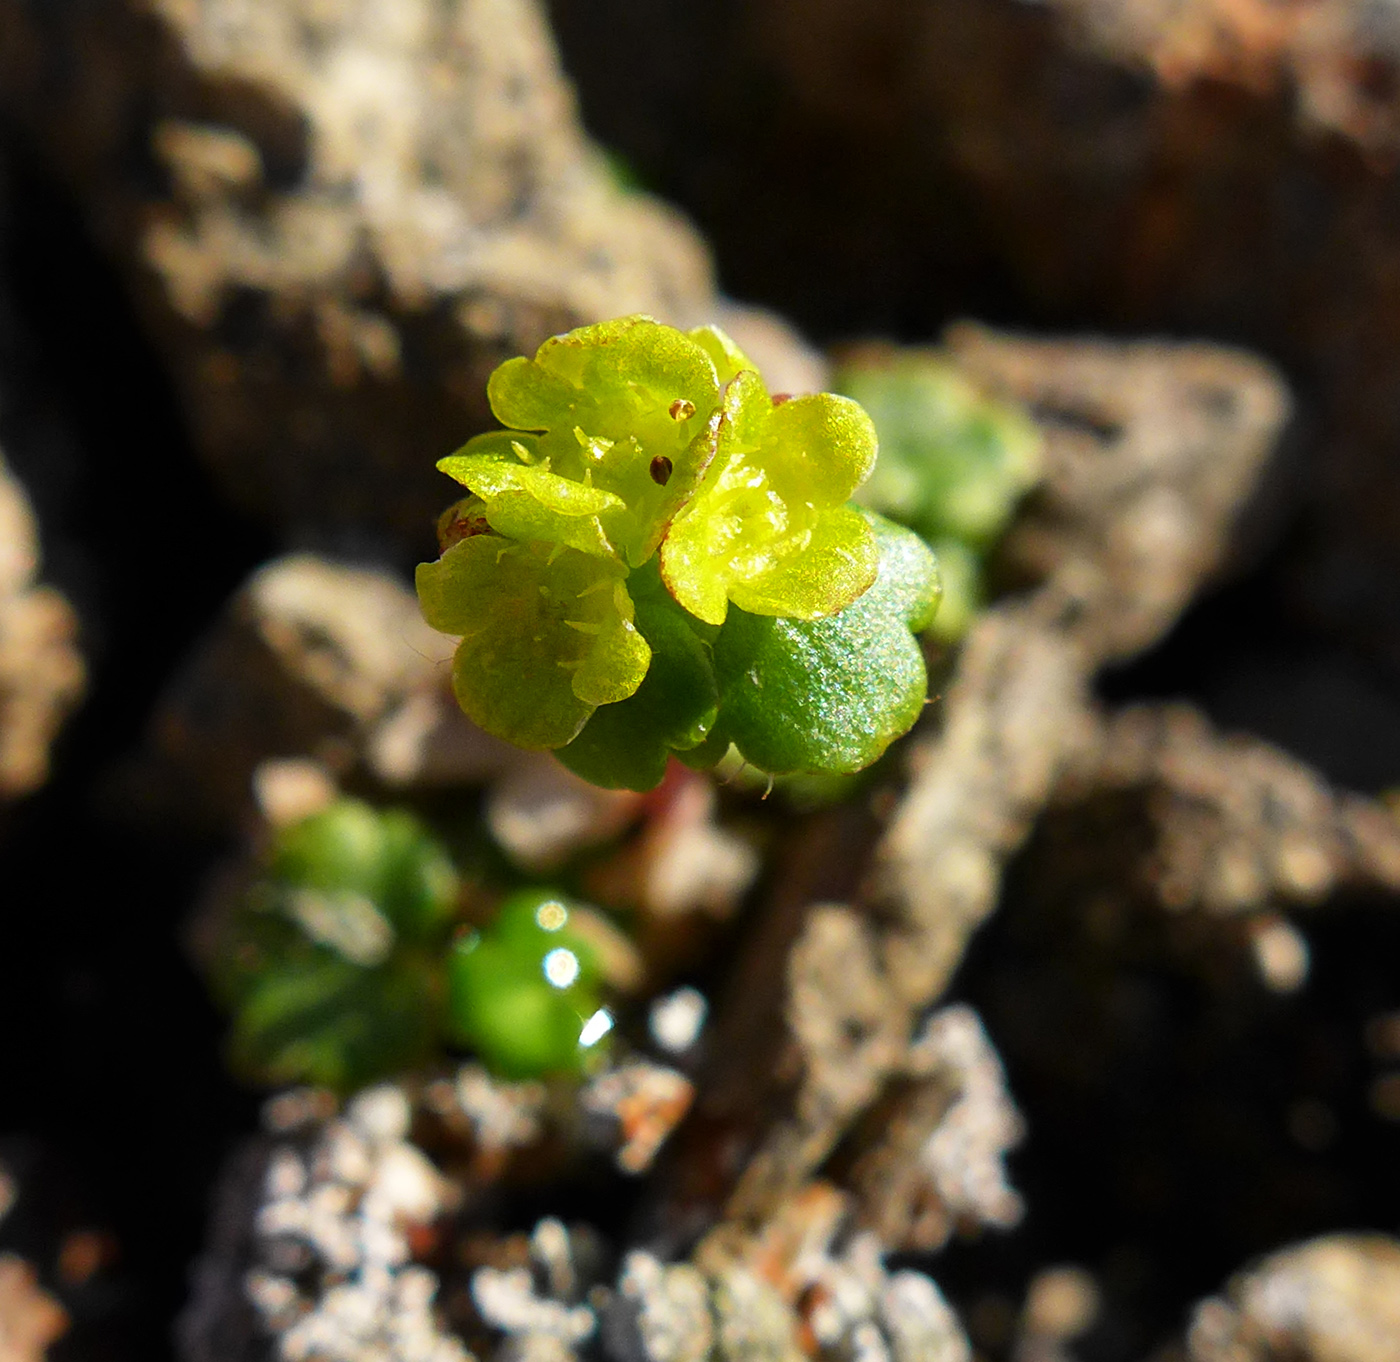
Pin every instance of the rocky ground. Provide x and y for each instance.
(1071, 1036)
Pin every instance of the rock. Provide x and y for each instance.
(312, 1251)
(310, 656)
(541, 813)
(939, 1162)
(802, 1285)
(684, 863)
(1061, 1303)
(1335, 1299)
(644, 1101)
(1237, 826)
(338, 219)
(42, 676)
(30, 1319)
(1150, 450)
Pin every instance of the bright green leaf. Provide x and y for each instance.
(521, 989)
(831, 694)
(624, 406)
(547, 635)
(838, 562)
(775, 493)
(821, 447)
(524, 500)
(627, 745)
(953, 461)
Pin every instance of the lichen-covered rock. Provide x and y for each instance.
(312, 1251)
(939, 1163)
(340, 218)
(42, 675)
(1335, 1299)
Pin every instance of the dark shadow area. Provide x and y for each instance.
(1182, 1119)
(111, 1074)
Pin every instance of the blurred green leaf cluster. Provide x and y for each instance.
(658, 557)
(953, 464)
(339, 964)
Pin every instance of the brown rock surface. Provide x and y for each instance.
(310, 660)
(339, 218)
(1150, 451)
(1237, 825)
(41, 672)
(1335, 1299)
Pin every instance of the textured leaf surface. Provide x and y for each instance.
(839, 561)
(623, 406)
(831, 694)
(524, 500)
(775, 490)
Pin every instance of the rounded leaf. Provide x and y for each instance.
(547, 635)
(624, 406)
(626, 746)
(838, 562)
(774, 497)
(831, 694)
(821, 446)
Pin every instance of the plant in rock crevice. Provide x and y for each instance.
(657, 557)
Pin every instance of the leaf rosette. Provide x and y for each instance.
(648, 497)
(954, 463)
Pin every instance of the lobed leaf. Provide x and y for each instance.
(727, 358)
(627, 745)
(623, 406)
(547, 635)
(838, 562)
(775, 496)
(524, 500)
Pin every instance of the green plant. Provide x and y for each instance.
(332, 963)
(344, 962)
(657, 557)
(953, 464)
(524, 991)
